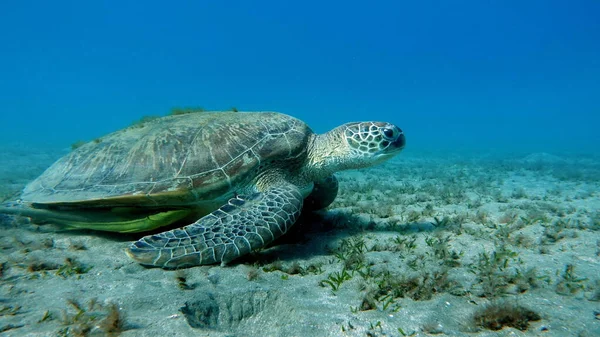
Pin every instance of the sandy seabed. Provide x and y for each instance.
(428, 244)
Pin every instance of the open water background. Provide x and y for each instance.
(483, 76)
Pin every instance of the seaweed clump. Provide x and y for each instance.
(175, 111)
(72, 267)
(93, 318)
(78, 144)
(182, 281)
(499, 315)
(143, 121)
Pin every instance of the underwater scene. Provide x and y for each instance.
(314, 168)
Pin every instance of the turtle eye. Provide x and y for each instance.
(388, 133)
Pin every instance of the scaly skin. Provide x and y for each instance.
(237, 228)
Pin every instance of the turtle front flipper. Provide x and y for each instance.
(242, 225)
(323, 194)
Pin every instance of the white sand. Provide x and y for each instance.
(538, 211)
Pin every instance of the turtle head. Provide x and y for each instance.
(354, 145)
(373, 142)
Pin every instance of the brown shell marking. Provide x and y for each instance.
(172, 160)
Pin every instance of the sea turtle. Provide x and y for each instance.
(240, 178)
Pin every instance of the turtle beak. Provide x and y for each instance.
(400, 141)
(395, 136)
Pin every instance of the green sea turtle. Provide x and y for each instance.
(239, 180)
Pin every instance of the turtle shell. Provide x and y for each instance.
(173, 160)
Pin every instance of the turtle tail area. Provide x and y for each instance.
(95, 220)
(26, 209)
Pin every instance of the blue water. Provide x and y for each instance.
(497, 76)
(516, 78)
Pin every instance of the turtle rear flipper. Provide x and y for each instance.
(242, 225)
(141, 224)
